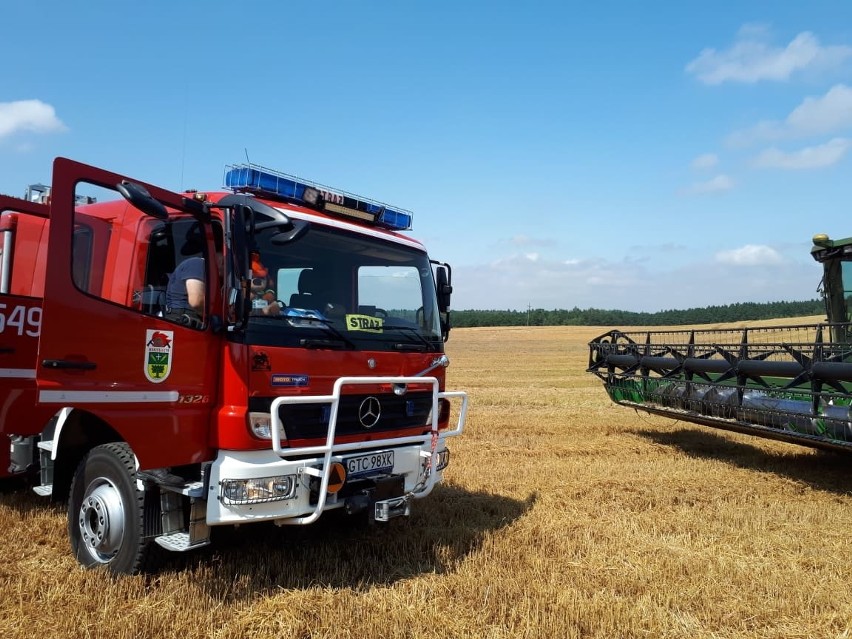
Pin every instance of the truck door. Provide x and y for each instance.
(22, 226)
(107, 349)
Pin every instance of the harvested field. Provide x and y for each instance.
(562, 515)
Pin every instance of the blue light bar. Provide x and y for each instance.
(273, 184)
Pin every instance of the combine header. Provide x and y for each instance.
(791, 383)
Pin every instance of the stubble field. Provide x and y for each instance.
(562, 515)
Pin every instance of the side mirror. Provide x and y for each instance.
(139, 197)
(254, 206)
(446, 325)
(443, 288)
(238, 218)
(297, 230)
(241, 217)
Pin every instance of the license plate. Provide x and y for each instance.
(370, 464)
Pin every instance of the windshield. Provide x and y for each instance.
(330, 288)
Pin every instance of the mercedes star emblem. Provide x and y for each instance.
(369, 412)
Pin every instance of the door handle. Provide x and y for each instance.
(5, 350)
(67, 364)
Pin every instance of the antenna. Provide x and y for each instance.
(183, 146)
(247, 158)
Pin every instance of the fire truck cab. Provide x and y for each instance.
(310, 378)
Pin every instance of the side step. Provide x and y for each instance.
(46, 475)
(179, 542)
(175, 536)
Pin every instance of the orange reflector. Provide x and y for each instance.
(336, 478)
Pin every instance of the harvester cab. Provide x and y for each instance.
(836, 286)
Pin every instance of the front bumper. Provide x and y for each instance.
(315, 472)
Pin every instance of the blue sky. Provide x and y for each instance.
(639, 156)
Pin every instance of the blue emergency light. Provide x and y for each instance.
(261, 181)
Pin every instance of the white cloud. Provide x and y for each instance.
(28, 115)
(515, 282)
(752, 58)
(829, 113)
(750, 255)
(716, 184)
(812, 157)
(657, 249)
(705, 161)
(765, 130)
(526, 240)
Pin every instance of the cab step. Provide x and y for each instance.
(43, 490)
(179, 542)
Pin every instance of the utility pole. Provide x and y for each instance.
(529, 306)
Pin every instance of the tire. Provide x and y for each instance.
(106, 511)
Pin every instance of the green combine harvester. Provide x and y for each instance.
(791, 383)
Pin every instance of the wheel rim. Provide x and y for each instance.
(101, 520)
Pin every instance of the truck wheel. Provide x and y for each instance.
(105, 511)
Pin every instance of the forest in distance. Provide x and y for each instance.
(744, 311)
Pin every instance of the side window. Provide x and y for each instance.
(847, 287)
(101, 249)
(82, 256)
(170, 244)
(125, 257)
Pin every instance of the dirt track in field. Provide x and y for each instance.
(562, 515)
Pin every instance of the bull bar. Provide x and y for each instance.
(425, 483)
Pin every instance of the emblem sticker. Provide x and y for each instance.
(287, 379)
(158, 354)
(364, 323)
(260, 362)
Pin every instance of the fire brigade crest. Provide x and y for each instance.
(158, 355)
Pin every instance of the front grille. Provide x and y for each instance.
(310, 421)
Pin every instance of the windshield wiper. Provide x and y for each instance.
(333, 343)
(339, 338)
(420, 347)
(313, 321)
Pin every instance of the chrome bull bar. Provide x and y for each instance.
(426, 481)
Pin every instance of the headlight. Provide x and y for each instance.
(257, 490)
(443, 414)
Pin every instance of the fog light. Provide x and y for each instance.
(442, 459)
(257, 490)
(261, 425)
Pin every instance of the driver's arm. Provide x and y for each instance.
(195, 294)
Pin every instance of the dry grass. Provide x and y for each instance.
(563, 515)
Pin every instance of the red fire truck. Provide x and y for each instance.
(312, 378)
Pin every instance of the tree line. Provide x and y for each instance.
(601, 317)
